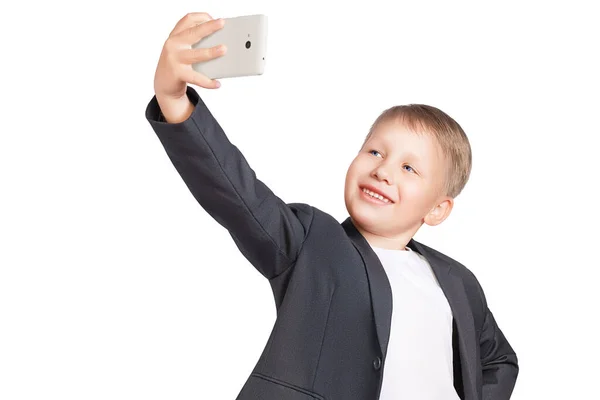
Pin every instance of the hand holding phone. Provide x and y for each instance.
(174, 69)
(245, 38)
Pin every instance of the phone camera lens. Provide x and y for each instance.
(248, 44)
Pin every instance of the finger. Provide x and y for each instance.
(190, 56)
(195, 33)
(190, 20)
(198, 79)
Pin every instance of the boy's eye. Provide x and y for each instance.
(411, 168)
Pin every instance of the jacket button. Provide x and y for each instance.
(377, 363)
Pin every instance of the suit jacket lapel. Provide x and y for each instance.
(452, 286)
(379, 285)
(454, 290)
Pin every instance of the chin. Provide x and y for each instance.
(365, 217)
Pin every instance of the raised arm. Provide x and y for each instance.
(268, 232)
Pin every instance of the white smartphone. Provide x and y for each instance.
(246, 41)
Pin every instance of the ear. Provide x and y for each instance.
(440, 212)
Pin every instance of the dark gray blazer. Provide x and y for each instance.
(333, 298)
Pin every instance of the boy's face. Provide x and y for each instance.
(409, 170)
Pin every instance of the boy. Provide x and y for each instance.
(363, 311)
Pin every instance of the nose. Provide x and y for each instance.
(381, 172)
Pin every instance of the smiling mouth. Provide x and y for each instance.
(375, 197)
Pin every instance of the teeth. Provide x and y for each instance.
(377, 196)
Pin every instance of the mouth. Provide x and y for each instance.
(374, 197)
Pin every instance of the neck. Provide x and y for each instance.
(396, 241)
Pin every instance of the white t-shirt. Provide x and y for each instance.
(418, 364)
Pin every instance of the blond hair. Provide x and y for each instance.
(453, 141)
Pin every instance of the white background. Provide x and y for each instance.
(116, 284)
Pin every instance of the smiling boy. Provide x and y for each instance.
(363, 310)
(413, 163)
(422, 162)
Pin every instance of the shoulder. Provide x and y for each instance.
(457, 266)
(469, 279)
(318, 222)
(308, 212)
(302, 210)
(313, 218)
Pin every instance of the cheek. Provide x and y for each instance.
(351, 178)
(413, 189)
(354, 170)
(361, 166)
(350, 173)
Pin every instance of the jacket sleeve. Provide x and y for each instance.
(498, 360)
(267, 231)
